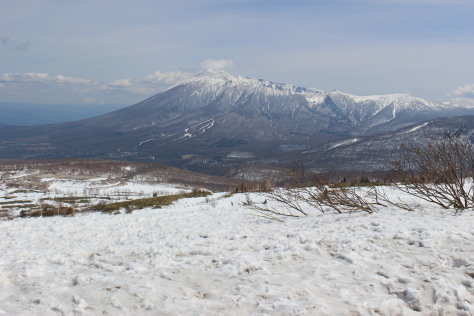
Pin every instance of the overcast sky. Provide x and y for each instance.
(116, 51)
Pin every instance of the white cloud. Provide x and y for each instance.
(216, 63)
(121, 83)
(72, 80)
(149, 84)
(466, 91)
(463, 101)
(167, 78)
(32, 87)
(463, 95)
(43, 78)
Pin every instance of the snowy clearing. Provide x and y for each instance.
(213, 256)
(78, 193)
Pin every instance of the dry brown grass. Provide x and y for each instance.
(155, 202)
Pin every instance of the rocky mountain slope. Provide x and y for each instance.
(377, 152)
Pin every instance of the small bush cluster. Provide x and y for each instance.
(49, 210)
(155, 202)
(5, 214)
(73, 199)
(244, 187)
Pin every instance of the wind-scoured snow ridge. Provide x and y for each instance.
(217, 78)
(417, 127)
(344, 142)
(398, 100)
(370, 111)
(333, 145)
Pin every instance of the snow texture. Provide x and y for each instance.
(213, 82)
(213, 257)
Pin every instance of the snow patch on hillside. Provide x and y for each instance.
(417, 127)
(145, 141)
(241, 155)
(344, 142)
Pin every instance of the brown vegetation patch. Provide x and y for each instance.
(156, 202)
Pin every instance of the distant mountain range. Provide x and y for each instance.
(214, 122)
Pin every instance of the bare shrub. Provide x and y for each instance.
(48, 210)
(278, 202)
(381, 197)
(439, 171)
(248, 201)
(71, 211)
(314, 192)
(253, 186)
(128, 209)
(5, 214)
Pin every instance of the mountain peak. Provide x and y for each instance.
(217, 79)
(213, 74)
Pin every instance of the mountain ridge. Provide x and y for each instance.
(214, 120)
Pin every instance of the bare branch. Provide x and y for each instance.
(439, 171)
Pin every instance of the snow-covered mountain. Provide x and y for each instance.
(380, 113)
(217, 119)
(214, 93)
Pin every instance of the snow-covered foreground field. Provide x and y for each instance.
(213, 257)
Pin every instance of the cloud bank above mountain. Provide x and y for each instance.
(66, 89)
(75, 90)
(421, 47)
